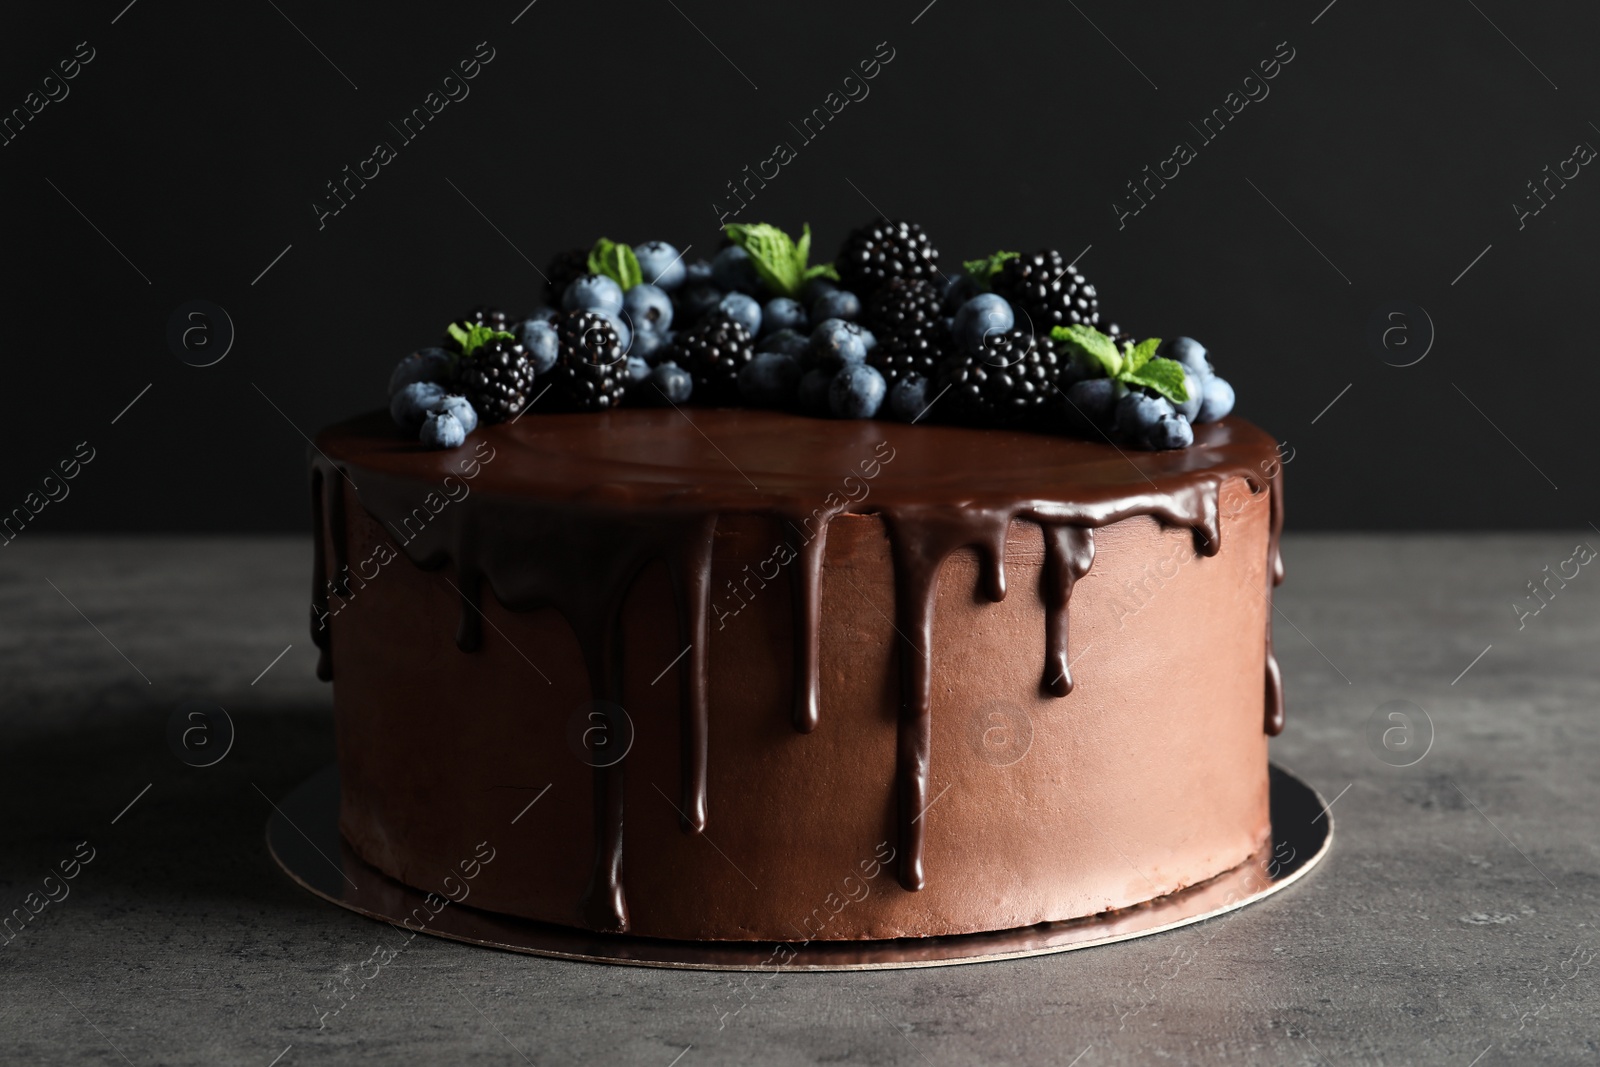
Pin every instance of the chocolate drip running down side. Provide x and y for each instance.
(573, 514)
(1274, 686)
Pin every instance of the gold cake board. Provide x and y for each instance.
(303, 836)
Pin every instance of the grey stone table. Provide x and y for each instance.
(1454, 922)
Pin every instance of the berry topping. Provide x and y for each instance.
(591, 371)
(714, 351)
(1010, 381)
(497, 378)
(1046, 291)
(881, 250)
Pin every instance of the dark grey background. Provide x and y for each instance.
(1386, 158)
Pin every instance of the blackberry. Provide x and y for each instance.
(563, 269)
(714, 351)
(491, 317)
(907, 318)
(497, 379)
(591, 370)
(1011, 382)
(1042, 287)
(880, 250)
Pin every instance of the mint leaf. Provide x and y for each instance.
(1165, 376)
(984, 270)
(802, 248)
(1099, 348)
(1136, 356)
(780, 261)
(617, 262)
(471, 338)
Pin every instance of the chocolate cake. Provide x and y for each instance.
(912, 680)
(721, 615)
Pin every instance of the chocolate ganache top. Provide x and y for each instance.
(735, 459)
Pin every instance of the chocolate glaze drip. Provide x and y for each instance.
(1068, 552)
(691, 586)
(1274, 686)
(586, 502)
(806, 593)
(923, 538)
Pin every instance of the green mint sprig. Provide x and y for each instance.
(984, 270)
(1136, 364)
(780, 261)
(617, 262)
(471, 338)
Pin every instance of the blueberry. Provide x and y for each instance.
(673, 381)
(814, 391)
(410, 405)
(1194, 384)
(983, 316)
(836, 304)
(697, 298)
(1091, 400)
(908, 397)
(856, 392)
(542, 342)
(962, 287)
(1190, 353)
(648, 307)
(1172, 431)
(442, 430)
(650, 345)
(743, 310)
(786, 341)
(811, 290)
(770, 380)
(423, 365)
(781, 313)
(869, 339)
(1076, 366)
(732, 269)
(1216, 400)
(835, 343)
(593, 292)
(460, 407)
(697, 273)
(637, 371)
(661, 264)
(1138, 411)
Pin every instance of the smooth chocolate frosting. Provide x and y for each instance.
(566, 511)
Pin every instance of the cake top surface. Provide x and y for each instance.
(739, 459)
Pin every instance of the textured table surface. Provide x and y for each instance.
(1454, 922)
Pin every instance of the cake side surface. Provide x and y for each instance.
(761, 609)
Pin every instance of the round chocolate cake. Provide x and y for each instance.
(725, 674)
